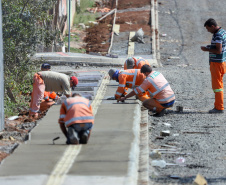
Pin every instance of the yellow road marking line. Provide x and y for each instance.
(131, 45)
(64, 164)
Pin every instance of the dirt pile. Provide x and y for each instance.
(98, 38)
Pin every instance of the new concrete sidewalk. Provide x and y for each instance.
(60, 58)
(110, 157)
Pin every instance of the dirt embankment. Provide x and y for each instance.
(98, 37)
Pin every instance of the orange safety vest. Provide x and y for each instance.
(76, 110)
(128, 79)
(158, 88)
(139, 62)
(51, 95)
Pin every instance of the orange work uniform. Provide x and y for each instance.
(51, 95)
(139, 62)
(161, 94)
(46, 103)
(130, 79)
(76, 110)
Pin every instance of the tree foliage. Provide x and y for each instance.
(27, 24)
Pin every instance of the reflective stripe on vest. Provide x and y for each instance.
(79, 118)
(62, 115)
(217, 90)
(118, 93)
(165, 99)
(158, 90)
(69, 106)
(134, 78)
(122, 85)
(140, 60)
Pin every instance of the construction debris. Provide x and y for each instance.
(165, 133)
(200, 180)
(138, 36)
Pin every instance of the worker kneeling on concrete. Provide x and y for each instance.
(135, 63)
(130, 78)
(76, 119)
(49, 81)
(160, 92)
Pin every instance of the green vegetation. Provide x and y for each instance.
(82, 15)
(76, 50)
(26, 25)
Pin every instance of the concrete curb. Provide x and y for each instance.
(144, 149)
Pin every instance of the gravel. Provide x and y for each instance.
(198, 136)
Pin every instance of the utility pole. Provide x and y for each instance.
(69, 24)
(2, 118)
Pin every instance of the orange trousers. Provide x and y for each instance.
(153, 105)
(217, 72)
(37, 94)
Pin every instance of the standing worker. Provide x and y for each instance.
(127, 79)
(76, 119)
(217, 58)
(49, 97)
(49, 81)
(161, 94)
(51, 94)
(135, 63)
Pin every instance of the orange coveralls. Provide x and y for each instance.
(217, 72)
(159, 90)
(139, 62)
(129, 79)
(37, 94)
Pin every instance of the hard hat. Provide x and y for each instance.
(74, 80)
(111, 72)
(130, 63)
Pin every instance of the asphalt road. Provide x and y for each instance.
(198, 136)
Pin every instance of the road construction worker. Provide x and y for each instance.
(49, 97)
(49, 81)
(127, 79)
(217, 61)
(135, 63)
(160, 92)
(76, 119)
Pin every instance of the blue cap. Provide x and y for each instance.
(46, 66)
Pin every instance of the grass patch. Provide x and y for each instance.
(84, 16)
(77, 50)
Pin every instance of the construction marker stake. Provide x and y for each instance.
(55, 139)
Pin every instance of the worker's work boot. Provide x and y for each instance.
(215, 111)
(84, 137)
(72, 136)
(160, 114)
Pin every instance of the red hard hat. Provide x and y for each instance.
(74, 80)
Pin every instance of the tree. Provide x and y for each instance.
(27, 24)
